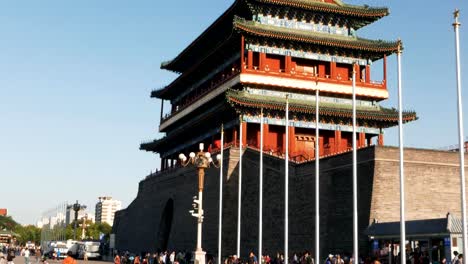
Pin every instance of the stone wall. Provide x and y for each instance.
(432, 190)
(432, 181)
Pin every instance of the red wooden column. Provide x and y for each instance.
(283, 146)
(321, 71)
(331, 144)
(266, 137)
(333, 70)
(258, 137)
(381, 140)
(321, 145)
(338, 141)
(358, 72)
(234, 135)
(250, 60)
(242, 53)
(261, 59)
(362, 139)
(244, 134)
(292, 139)
(368, 74)
(288, 64)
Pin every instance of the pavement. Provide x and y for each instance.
(32, 260)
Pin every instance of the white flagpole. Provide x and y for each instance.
(239, 195)
(456, 26)
(317, 181)
(402, 172)
(260, 206)
(355, 211)
(286, 187)
(221, 178)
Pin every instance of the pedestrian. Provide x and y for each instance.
(69, 259)
(85, 254)
(38, 255)
(235, 259)
(376, 260)
(306, 258)
(460, 259)
(10, 258)
(117, 259)
(454, 260)
(295, 259)
(2, 258)
(10, 255)
(26, 254)
(172, 257)
(252, 258)
(44, 260)
(338, 259)
(137, 259)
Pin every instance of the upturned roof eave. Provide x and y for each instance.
(260, 30)
(172, 64)
(381, 114)
(338, 8)
(160, 93)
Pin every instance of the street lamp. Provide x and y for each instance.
(201, 160)
(76, 207)
(84, 225)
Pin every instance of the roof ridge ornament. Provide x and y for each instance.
(400, 46)
(456, 14)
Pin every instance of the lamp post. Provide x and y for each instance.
(202, 160)
(76, 207)
(84, 225)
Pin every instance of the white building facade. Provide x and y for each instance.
(106, 208)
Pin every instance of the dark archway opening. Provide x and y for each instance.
(165, 225)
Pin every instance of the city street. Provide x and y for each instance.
(20, 260)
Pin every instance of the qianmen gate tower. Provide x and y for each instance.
(255, 57)
(258, 52)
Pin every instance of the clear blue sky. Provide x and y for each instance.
(75, 79)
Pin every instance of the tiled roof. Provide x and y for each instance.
(317, 38)
(377, 113)
(338, 8)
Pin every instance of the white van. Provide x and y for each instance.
(90, 248)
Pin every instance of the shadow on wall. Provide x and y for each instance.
(165, 224)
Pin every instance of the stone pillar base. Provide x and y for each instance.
(199, 257)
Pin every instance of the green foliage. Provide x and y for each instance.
(27, 233)
(92, 230)
(24, 233)
(7, 223)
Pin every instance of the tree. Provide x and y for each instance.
(93, 231)
(28, 233)
(24, 233)
(7, 223)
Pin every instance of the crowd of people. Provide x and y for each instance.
(34, 256)
(171, 257)
(31, 255)
(165, 257)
